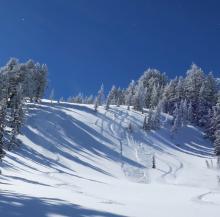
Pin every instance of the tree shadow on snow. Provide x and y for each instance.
(12, 205)
(63, 135)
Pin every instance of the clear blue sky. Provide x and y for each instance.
(87, 42)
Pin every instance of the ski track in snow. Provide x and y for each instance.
(205, 198)
(137, 146)
(173, 169)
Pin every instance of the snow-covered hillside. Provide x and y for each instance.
(75, 162)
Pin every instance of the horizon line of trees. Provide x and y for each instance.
(194, 99)
(19, 83)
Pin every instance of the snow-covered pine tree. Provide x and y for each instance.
(190, 112)
(193, 83)
(113, 96)
(217, 145)
(129, 93)
(139, 100)
(170, 96)
(145, 123)
(3, 111)
(41, 80)
(176, 120)
(156, 117)
(96, 105)
(179, 90)
(149, 120)
(14, 73)
(51, 96)
(90, 99)
(120, 96)
(153, 162)
(184, 112)
(30, 79)
(99, 98)
(61, 99)
(209, 127)
(2, 126)
(207, 99)
(107, 105)
(79, 98)
(155, 95)
(216, 129)
(151, 78)
(118, 102)
(16, 116)
(17, 82)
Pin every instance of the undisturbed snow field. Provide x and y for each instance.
(70, 164)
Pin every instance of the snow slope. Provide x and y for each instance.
(70, 164)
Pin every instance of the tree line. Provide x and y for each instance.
(19, 83)
(194, 98)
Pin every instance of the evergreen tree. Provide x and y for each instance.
(107, 103)
(153, 162)
(217, 146)
(216, 129)
(96, 104)
(2, 126)
(155, 96)
(156, 117)
(129, 127)
(184, 110)
(170, 96)
(176, 120)
(149, 121)
(18, 82)
(145, 123)
(113, 96)
(120, 97)
(190, 113)
(139, 97)
(99, 98)
(90, 99)
(152, 80)
(41, 80)
(179, 90)
(51, 96)
(193, 83)
(207, 99)
(129, 93)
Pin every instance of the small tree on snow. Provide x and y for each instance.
(129, 127)
(100, 98)
(51, 96)
(107, 103)
(129, 94)
(61, 99)
(96, 105)
(153, 162)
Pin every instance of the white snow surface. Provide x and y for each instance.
(70, 164)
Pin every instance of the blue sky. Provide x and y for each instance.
(87, 42)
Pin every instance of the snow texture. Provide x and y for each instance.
(77, 162)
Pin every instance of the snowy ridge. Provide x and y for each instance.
(76, 162)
